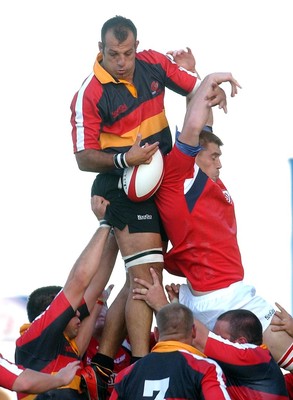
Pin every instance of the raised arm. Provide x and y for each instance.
(86, 266)
(208, 95)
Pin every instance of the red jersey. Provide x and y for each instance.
(8, 373)
(107, 114)
(199, 218)
(250, 370)
(172, 370)
(43, 346)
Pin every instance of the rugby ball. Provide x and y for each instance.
(142, 181)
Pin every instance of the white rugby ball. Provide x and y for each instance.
(142, 181)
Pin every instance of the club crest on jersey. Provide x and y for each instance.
(227, 196)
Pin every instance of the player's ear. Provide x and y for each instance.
(241, 340)
(193, 333)
(156, 334)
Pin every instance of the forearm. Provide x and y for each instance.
(101, 277)
(88, 262)
(94, 161)
(30, 381)
(85, 267)
(210, 120)
(86, 329)
(197, 115)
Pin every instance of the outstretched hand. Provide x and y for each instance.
(221, 77)
(283, 322)
(183, 58)
(99, 205)
(66, 374)
(215, 94)
(106, 293)
(173, 292)
(137, 155)
(152, 293)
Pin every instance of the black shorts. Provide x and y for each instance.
(139, 216)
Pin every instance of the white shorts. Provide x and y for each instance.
(208, 307)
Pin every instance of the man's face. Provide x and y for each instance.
(119, 58)
(73, 326)
(209, 162)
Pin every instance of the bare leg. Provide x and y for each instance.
(138, 314)
(114, 331)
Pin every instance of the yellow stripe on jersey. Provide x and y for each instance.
(154, 124)
(174, 345)
(74, 384)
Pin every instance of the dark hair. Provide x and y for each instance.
(120, 26)
(206, 137)
(243, 323)
(40, 299)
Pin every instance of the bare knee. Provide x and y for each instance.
(143, 272)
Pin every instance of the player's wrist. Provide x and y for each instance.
(101, 301)
(119, 161)
(104, 224)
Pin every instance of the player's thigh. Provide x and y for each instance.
(131, 243)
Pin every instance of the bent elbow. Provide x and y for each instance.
(81, 161)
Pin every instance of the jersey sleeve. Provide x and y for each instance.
(85, 119)
(233, 354)
(177, 79)
(8, 373)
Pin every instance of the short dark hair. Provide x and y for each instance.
(120, 26)
(40, 299)
(207, 136)
(243, 323)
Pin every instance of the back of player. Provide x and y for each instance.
(174, 369)
(171, 375)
